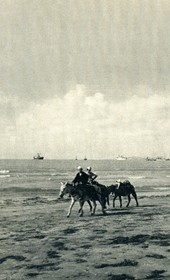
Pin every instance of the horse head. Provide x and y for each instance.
(62, 189)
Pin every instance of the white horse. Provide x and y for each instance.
(82, 193)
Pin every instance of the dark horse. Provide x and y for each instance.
(125, 189)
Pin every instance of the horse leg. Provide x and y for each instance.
(135, 197)
(107, 201)
(103, 205)
(71, 206)
(81, 208)
(120, 199)
(91, 208)
(94, 207)
(103, 209)
(114, 201)
(129, 199)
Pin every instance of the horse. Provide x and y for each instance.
(101, 190)
(82, 193)
(125, 189)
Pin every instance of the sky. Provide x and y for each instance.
(84, 78)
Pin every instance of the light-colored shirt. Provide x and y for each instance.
(92, 176)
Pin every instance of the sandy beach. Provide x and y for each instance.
(84, 86)
(39, 242)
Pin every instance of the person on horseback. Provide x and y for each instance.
(91, 176)
(118, 183)
(81, 177)
(98, 187)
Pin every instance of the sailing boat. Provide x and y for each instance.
(38, 156)
(85, 158)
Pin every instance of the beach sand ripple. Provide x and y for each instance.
(39, 242)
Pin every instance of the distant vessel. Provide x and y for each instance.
(163, 159)
(121, 158)
(159, 158)
(85, 158)
(38, 156)
(76, 158)
(150, 159)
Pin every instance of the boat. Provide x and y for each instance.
(38, 156)
(85, 158)
(150, 159)
(160, 159)
(121, 158)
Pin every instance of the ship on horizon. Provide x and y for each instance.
(38, 156)
(150, 159)
(157, 159)
(85, 158)
(120, 157)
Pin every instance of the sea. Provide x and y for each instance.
(42, 178)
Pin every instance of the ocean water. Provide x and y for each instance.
(32, 177)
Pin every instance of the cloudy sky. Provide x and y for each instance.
(84, 77)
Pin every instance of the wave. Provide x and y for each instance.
(38, 174)
(136, 177)
(30, 189)
(161, 188)
(5, 176)
(58, 174)
(4, 171)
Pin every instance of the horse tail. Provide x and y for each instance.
(133, 189)
(135, 196)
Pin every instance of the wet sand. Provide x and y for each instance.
(39, 242)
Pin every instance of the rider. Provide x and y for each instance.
(91, 181)
(92, 176)
(81, 177)
(118, 182)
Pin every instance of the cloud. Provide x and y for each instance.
(82, 123)
(48, 46)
